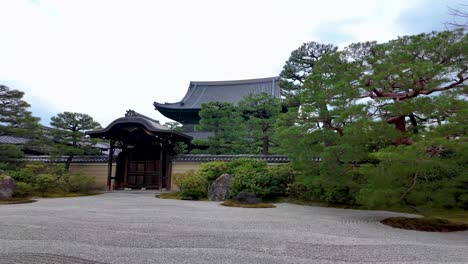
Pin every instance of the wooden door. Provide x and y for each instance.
(144, 169)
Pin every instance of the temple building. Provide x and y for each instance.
(186, 110)
(146, 149)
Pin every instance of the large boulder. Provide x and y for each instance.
(219, 189)
(246, 198)
(7, 186)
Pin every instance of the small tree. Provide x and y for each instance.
(260, 111)
(16, 120)
(70, 136)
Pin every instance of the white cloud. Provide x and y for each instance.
(103, 57)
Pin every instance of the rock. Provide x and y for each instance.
(7, 186)
(246, 198)
(219, 189)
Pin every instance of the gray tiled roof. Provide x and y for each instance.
(223, 91)
(13, 140)
(134, 117)
(207, 158)
(200, 135)
(178, 158)
(85, 159)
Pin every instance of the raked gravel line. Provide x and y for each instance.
(135, 227)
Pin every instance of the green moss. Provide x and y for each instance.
(171, 195)
(16, 200)
(425, 224)
(60, 194)
(230, 203)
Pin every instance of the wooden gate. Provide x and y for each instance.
(143, 173)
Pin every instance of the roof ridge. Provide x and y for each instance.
(228, 82)
(131, 113)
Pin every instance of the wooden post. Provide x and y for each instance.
(109, 165)
(168, 172)
(160, 167)
(126, 157)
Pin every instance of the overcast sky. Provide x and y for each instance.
(104, 57)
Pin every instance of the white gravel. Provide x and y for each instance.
(135, 227)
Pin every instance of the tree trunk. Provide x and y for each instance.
(68, 162)
(400, 124)
(329, 125)
(414, 123)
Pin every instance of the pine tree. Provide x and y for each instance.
(401, 79)
(260, 112)
(70, 137)
(16, 120)
(225, 122)
(298, 67)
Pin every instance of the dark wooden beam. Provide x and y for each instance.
(126, 157)
(109, 166)
(160, 168)
(168, 171)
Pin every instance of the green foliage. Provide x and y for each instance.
(243, 129)
(259, 182)
(260, 111)
(245, 164)
(45, 182)
(430, 173)
(336, 194)
(300, 191)
(212, 170)
(298, 67)
(70, 135)
(225, 122)
(30, 170)
(44, 177)
(9, 153)
(361, 104)
(23, 189)
(179, 178)
(397, 77)
(251, 175)
(283, 175)
(16, 120)
(194, 187)
(77, 182)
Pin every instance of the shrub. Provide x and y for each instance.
(45, 182)
(78, 182)
(212, 170)
(194, 188)
(30, 170)
(463, 201)
(4, 166)
(23, 189)
(336, 194)
(259, 182)
(252, 175)
(427, 174)
(179, 178)
(300, 191)
(283, 175)
(242, 165)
